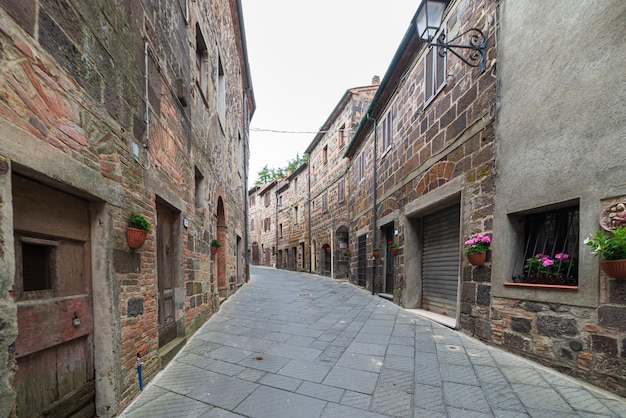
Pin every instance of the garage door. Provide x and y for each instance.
(440, 261)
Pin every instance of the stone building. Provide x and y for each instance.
(110, 108)
(262, 224)
(329, 194)
(559, 168)
(421, 173)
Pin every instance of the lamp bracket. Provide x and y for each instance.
(477, 48)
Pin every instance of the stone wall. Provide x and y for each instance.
(73, 115)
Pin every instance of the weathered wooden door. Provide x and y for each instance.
(166, 279)
(54, 348)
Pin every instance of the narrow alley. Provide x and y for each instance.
(299, 345)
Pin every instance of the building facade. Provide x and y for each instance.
(519, 152)
(106, 109)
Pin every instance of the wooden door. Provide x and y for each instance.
(54, 347)
(165, 271)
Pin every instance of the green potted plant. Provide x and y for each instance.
(612, 246)
(476, 250)
(137, 230)
(375, 252)
(393, 247)
(215, 245)
(550, 270)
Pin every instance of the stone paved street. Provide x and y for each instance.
(298, 345)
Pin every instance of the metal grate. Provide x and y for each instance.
(550, 250)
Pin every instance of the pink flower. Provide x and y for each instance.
(547, 262)
(561, 256)
(486, 240)
(539, 255)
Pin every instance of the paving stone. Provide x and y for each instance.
(390, 401)
(429, 398)
(465, 397)
(401, 350)
(502, 397)
(251, 375)
(223, 391)
(367, 348)
(265, 362)
(504, 413)
(344, 411)
(538, 397)
(361, 362)
(524, 375)
(398, 380)
(268, 402)
(294, 352)
(351, 379)
(311, 372)
(356, 399)
(170, 405)
(324, 392)
(458, 374)
(280, 382)
(464, 413)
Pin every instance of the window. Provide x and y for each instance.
(36, 266)
(342, 136)
(361, 166)
(251, 200)
(295, 185)
(325, 155)
(199, 189)
(202, 62)
(550, 249)
(387, 130)
(280, 230)
(435, 70)
(252, 224)
(325, 203)
(280, 202)
(295, 214)
(340, 191)
(267, 224)
(221, 91)
(266, 200)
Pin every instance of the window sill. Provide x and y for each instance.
(543, 286)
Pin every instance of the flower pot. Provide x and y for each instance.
(135, 237)
(476, 259)
(394, 250)
(376, 254)
(214, 250)
(614, 268)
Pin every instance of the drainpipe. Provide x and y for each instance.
(374, 211)
(276, 227)
(309, 213)
(332, 252)
(245, 183)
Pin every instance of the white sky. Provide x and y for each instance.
(303, 57)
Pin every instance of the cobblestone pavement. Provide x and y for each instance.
(298, 345)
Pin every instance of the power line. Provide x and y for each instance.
(287, 132)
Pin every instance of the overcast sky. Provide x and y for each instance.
(303, 57)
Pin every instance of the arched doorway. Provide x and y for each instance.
(220, 257)
(326, 249)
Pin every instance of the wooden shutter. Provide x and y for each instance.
(440, 261)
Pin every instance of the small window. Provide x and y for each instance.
(387, 128)
(221, 91)
(341, 191)
(550, 249)
(199, 189)
(435, 70)
(295, 215)
(252, 224)
(202, 62)
(251, 200)
(295, 185)
(362, 166)
(325, 203)
(325, 155)
(342, 136)
(36, 267)
(267, 199)
(280, 230)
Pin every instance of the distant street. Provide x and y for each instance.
(298, 345)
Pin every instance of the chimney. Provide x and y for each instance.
(375, 80)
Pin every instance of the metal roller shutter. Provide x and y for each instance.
(440, 261)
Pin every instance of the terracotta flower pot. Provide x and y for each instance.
(476, 259)
(135, 237)
(376, 254)
(394, 250)
(614, 268)
(214, 250)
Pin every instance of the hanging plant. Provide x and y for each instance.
(137, 230)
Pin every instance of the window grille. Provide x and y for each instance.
(550, 249)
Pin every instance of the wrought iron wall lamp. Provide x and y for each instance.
(428, 22)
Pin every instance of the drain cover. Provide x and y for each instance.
(304, 294)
